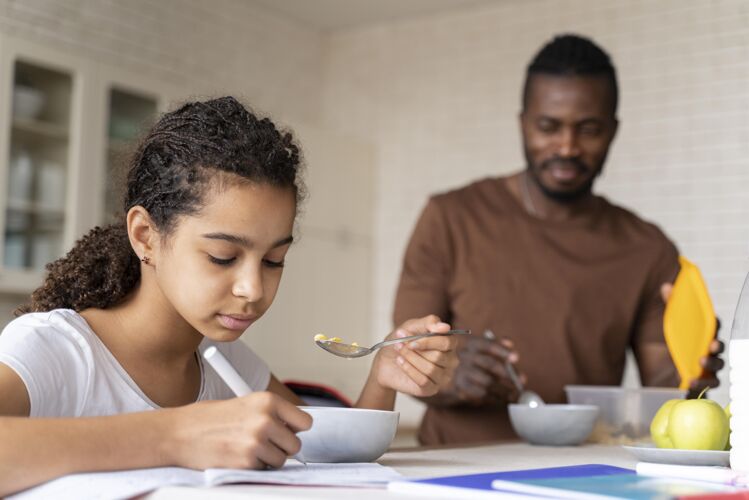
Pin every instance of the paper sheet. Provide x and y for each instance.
(126, 484)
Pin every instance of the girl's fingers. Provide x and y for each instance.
(423, 381)
(432, 372)
(439, 358)
(426, 324)
(284, 439)
(271, 455)
(298, 420)
(443, 344)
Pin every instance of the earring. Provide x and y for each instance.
(145, 259)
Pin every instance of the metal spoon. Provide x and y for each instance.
(357, 351)
(527, 397)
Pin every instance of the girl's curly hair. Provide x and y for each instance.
(169, 175)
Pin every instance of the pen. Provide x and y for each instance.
(230, 376)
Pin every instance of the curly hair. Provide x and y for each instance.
(169, 175)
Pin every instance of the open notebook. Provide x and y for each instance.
(126, 484)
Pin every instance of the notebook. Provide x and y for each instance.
(127, 484)
(480, 485)
(616, 486)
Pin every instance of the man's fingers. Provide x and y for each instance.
(712, 364)
(717, 347)
(666, 289)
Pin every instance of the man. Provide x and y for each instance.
(561, 278)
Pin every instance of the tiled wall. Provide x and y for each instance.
(201, 47)
(275, 64)
(439, 97)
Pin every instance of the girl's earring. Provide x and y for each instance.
(145, 259)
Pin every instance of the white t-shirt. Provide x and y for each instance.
(69, 372)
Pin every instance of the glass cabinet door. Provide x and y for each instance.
(130, 114)
(37, 165)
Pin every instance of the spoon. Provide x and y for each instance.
(527, 397)
(357, 351)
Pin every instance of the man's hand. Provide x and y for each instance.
(481, 377)
(711, 364)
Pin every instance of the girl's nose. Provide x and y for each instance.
(249, 286)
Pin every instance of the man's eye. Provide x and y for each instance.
(273, 263)
(546, 126)
(590, 130)
(221, 262)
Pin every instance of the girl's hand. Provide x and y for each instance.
(419, 368)
(252, 432)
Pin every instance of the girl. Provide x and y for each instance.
(106, 356)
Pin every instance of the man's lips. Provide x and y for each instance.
(236, 321)
(565, 171)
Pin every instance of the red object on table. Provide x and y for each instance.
(319, 391)
(736, 495)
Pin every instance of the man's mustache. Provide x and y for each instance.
(565, 162)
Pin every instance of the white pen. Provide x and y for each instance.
(229, 375)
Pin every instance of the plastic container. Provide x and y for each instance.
(626, 413)
(738, 362)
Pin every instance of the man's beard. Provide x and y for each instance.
(563, 196)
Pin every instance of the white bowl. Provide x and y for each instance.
(27, 102)
(347, 434)
(554, 425)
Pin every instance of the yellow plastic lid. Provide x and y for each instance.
(689, 322)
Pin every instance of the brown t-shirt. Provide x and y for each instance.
(572, 295)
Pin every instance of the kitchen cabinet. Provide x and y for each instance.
(67, 125)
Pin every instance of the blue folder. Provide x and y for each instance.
(480, 485)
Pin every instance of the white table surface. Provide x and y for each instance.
(422, 462)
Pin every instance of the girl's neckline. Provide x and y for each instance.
(123, 373)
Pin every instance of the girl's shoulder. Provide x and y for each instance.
(59, 326)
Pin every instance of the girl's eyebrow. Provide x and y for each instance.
(242, 241)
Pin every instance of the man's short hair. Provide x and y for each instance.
(572, 55)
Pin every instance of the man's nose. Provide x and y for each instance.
(249, 285)
(568, 145)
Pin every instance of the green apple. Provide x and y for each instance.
(659, 425)
(728, 414)
(698, 424)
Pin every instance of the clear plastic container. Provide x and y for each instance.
(625, 413)
(738, 362)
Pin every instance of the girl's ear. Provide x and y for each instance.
(144, 238)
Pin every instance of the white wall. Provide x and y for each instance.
(200, 47)
(439, 97)
(274, 64)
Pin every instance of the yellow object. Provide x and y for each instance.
(336, 339)
(689, 322)
(320, 337)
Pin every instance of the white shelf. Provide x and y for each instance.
(34, 208)
(40, 128)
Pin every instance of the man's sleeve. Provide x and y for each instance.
(648, 343)
(427, 267)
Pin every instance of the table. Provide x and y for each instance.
(425, 462)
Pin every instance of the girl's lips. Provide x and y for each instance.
(235, 322)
